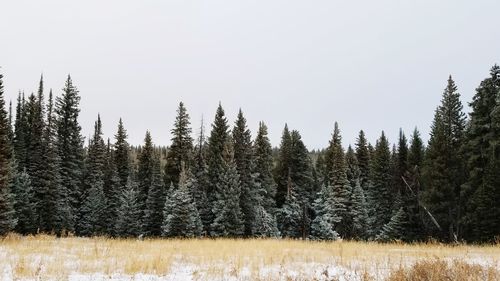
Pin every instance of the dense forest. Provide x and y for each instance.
(227, 183)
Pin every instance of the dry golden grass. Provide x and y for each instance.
(46, 257)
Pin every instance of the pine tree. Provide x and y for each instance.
(283, 167)
(290, 215)
(91, 212)
(263, 168)
(416, 152)
(352, 167)
(411, 195)
(121, 154)
(24, 204)
(359, 212)
(70, 154)
(128, 220)
(242, 143)
(443, 171)
(155, 202)
(219, 136)
(112, 191)
(337, 180)
(145, 170)
(181, 149)
(393, 230)
(381, 192)
(402, 162)
(10, 129)
(480, 151)
(301, 175)
(7, 214)
(228, 221)
(35, 146)
(20, 132)
(181, 218)
(363, 158)
(327, 219)
(200, 182)
(48, 209)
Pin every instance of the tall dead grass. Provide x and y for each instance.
(46, 257)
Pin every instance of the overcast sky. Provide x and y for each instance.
(371, 65)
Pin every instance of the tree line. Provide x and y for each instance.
(228, 184)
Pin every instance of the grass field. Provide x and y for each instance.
(49, 258)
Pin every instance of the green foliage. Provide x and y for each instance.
(121, 154)
(181, 218)
(129, 214)
(180, 152)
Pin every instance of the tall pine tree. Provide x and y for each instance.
(70, 153)
(181, 149)
(443, 171)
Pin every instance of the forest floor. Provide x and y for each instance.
(46, 257)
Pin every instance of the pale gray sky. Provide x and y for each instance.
(372, 65)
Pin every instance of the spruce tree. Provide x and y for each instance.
(301, 175)
(402, 162)
(265, 224)
(325, 224)
(264, 169)
(352, 167)
(7, 214)
(338, 181)
(290, 215)
(242, 143)
(200, 182)
(219, 136)
(128, 220)
(181, 218)
(381, 192)
(145, 170)
(91, 212)
(363, 158)
(20, 133)
(443, 171)
(359, 212)
(35, 146)
(48, 209)
(482, 137)
(416, 152)
(181, 149)
(393, 230)
(283, 167)
(155, 202)
(24, 204)
(121, 154)
(412, 193)
(70, 154)
(228, 218)
(112, 191)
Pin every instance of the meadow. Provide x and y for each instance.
(45, 257)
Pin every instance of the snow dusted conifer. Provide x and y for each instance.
(359, 212)
(228, 221)
(180, 152)
(290, 215)
(394, 229)
(327, 220)
(181, 218)
(24, 204)
(128, 221)
(7, 213)
(155, 202)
